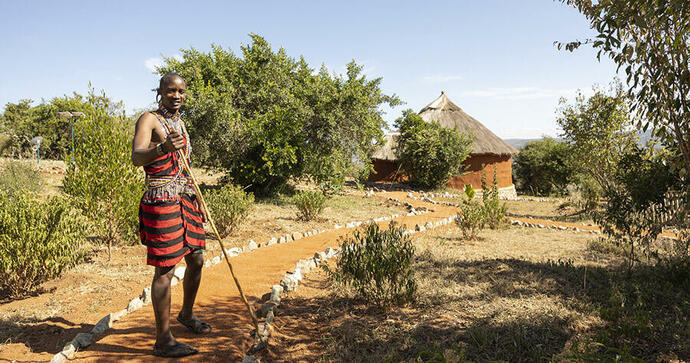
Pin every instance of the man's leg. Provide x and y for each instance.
(192, 279)
(160, 295)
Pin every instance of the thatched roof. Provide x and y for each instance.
(450, 115)
(386, 152)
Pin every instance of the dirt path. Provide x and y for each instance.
(218, 302)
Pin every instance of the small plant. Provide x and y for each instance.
(469, 191)
(38, 240)
(309, 204)
(495, 211)
(16, 175)
(377, 264)
(230, 205)
(472, 219)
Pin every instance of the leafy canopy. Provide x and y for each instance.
(266, 117)
(650, 39)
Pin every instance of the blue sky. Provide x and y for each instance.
(493, 58)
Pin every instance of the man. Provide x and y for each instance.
(170, 218)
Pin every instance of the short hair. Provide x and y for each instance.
(167, 78)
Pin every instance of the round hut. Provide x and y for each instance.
(489, 151)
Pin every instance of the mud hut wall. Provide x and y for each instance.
(386, 170)
(473, 171)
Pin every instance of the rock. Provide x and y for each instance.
(174, 281)
(58, 358)
(146, 294)
(276, 290)
(428, 225)
(272, 241)
(297, 274)
(288, 238)
(235, 251)
(289, 282)
(270, 316)
(70, 350)
(83, 340)
(179, 272)
(409, 195)
(250, 359)
(104, 324)
(215, 260)
(252, 245)
(134, 305)
(337, 226)
(282, 239)
(541, 226)
(266, 308)
(314, 232)
(576, 229)
(350, 225)
(208, 263)
(329, 252)
(562, 228)
(297, 235)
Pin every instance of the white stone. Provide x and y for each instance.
(288, 237)
(252, 245)
(134, 305)
(297, 274)
(281, 239)
(289, 282)
(272, 241)
(297, 235)
(350, 225)
(58, 358)
(83, 340)
(215, 260)
(179, 272)
(329, 252)
(174, 281)
(70, 350)
(250, 359)
(276, 290)
(337, 226)
(146, 295)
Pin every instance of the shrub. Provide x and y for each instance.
(495, 211)
(38, 240)
(309, 204)
(15, 175)
(429, 153)
(544, 167)
(230, 206)
(471, 219)
(377, 264)
(102, 180)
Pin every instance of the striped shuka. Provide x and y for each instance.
(170, 222)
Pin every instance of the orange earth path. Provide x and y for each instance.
(218, 302)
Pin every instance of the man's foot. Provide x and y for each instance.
(194, 325)
(174, 351)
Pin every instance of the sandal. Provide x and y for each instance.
(174, 351)
(195, 325)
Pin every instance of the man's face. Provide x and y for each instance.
(173, 93)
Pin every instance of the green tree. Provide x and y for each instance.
(266, 117)
(429, 153)
(544, 167)
(102, 180)
(598, 131)
(650, 39)
(22, 121)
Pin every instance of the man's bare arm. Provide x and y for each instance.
(142, 154)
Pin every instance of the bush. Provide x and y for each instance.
(16, 175)
(229, 207)
(471, 219)
(495, 211)
(377, 264)
(544, 167)
(38, 240)
(309, 204)
(429, 153)
(102, 180)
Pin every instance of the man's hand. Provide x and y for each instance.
(174, 142)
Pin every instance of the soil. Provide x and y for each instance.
(73, 304)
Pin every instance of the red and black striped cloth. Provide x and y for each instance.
(170, 230)
(170, 224)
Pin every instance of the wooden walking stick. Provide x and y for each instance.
(220, 241)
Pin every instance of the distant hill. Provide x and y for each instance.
(519, 143)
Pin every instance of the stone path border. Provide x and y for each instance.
(83, 340)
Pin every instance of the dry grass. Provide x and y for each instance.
(545, 210)
(514, 295)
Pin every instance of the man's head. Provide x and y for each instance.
(173, 91)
